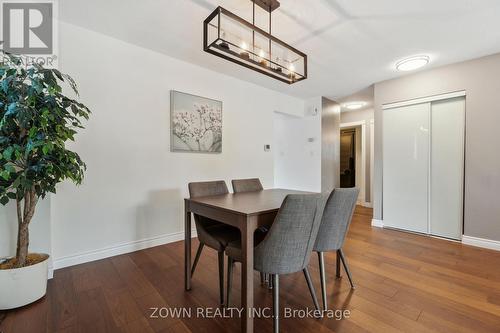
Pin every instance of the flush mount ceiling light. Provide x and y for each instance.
(230, 37)
(413, 63)
(354, 105)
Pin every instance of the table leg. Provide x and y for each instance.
(247, 229)
(187, 248)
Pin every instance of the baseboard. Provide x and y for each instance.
(481, 242)
(365, 204)
(377, 223)
(115, 250)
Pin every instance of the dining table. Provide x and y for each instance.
(246, 211)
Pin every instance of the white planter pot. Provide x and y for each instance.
(22, 286)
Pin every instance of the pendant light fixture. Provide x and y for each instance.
(230, 37)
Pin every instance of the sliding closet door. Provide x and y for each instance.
(447, 167)
(406, 167)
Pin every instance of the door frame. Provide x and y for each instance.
(362, 123)
(428, 99)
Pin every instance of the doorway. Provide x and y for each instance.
(353, 157)
(348, 157)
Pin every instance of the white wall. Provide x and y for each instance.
(330, 144)
(134, 185)
(297, 149)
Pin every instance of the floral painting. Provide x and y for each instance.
(196, 123)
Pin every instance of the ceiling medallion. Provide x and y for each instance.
(230, 37)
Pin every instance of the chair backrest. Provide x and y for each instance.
(205, 189)
(288, 245)
(246, 185)
(336, 219)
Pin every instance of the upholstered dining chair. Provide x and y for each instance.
(251, 185)
(212, 233)
(287, 247)
(246, 185)
(335, 223)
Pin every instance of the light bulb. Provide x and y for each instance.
(291, 67)
(354, 105)
(262, 54)
(244, 46)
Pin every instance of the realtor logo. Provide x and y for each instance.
(28, 28)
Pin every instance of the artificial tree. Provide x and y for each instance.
(36, 121)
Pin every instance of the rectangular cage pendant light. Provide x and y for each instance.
(228, 36)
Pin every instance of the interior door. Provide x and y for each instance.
(447, 167)
(406, 167)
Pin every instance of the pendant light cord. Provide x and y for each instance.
(253, 31)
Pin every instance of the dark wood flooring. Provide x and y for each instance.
(405, 283)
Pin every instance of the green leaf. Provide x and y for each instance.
(5, 175)
(7, 154)
(12, 195)
(5, 85)
(11, 109)
(58, 74)
(4, 200)
(9, 168)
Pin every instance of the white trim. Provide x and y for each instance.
(372, 157)
(445, 238)
(481, 242)
(118, 249)
(361, 123)
(424, 100)
(377, 223)
(353, 124)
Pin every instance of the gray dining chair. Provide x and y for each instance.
(287, 247)
(211, 233)
(251, 185)
(246, 185)
(335, 223)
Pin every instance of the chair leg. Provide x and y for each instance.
(230, 266)
(338, 265)
(311, 288)
(198, 254)
(262, 279)
(276, 303)
(221, 276)
(271, 280)
(321, 259)
(346, 267)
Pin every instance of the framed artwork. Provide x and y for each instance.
(195, 123)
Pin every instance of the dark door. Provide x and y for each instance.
(348, 158)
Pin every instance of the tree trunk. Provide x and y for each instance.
(22, 245)
(24, 219)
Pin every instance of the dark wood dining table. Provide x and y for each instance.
(247, 212)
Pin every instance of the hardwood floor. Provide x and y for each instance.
(405, 283)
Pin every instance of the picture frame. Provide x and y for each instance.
(195, 123)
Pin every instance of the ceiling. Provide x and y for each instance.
(350, 43)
